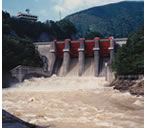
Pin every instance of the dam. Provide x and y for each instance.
(74, 58)
(83, 56)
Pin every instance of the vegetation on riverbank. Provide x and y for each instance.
(129, 59)
(17, 51)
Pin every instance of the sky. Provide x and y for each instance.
(52, 9)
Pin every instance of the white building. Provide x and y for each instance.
(27, 16)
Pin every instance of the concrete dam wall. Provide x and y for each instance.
(75, 58)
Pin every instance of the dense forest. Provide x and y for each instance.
(129, 58)
(118, 19)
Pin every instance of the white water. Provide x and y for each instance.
(83, 102)
(74, 68)
(60, 84)
(89, 67)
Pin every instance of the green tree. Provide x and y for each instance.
(129, 58)
(91, 35)
(18, 52)
(67, 28)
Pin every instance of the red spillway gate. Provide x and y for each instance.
(104, 45)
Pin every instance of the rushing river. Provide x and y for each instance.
(73, 102)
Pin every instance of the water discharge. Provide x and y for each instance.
(74, 67)
(89, 67)
(71, 101)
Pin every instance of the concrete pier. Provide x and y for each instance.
(109, 73)
(96, 56)
(81, 57)
(111, 48)
(66, 57)
(52, 56)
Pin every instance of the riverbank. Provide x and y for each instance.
(134, 87)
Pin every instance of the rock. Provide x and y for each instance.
(137, 89)
(134, 87)
(123, 85)
(31, 99)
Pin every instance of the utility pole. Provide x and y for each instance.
(60, 15)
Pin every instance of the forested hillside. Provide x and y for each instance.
(35, 30)
(118, 19)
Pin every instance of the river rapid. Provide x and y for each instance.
(73, 102)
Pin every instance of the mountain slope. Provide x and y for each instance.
(118, 19)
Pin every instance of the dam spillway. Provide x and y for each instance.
(79, 58)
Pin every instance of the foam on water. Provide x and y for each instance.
(55, 83)
(73, 101)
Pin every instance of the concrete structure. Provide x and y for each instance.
(96, 56)
(20, 72)
(120, 41)
(81, 56)
(66, 57)
(84, 49)
(52, 56)
(112, 49)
